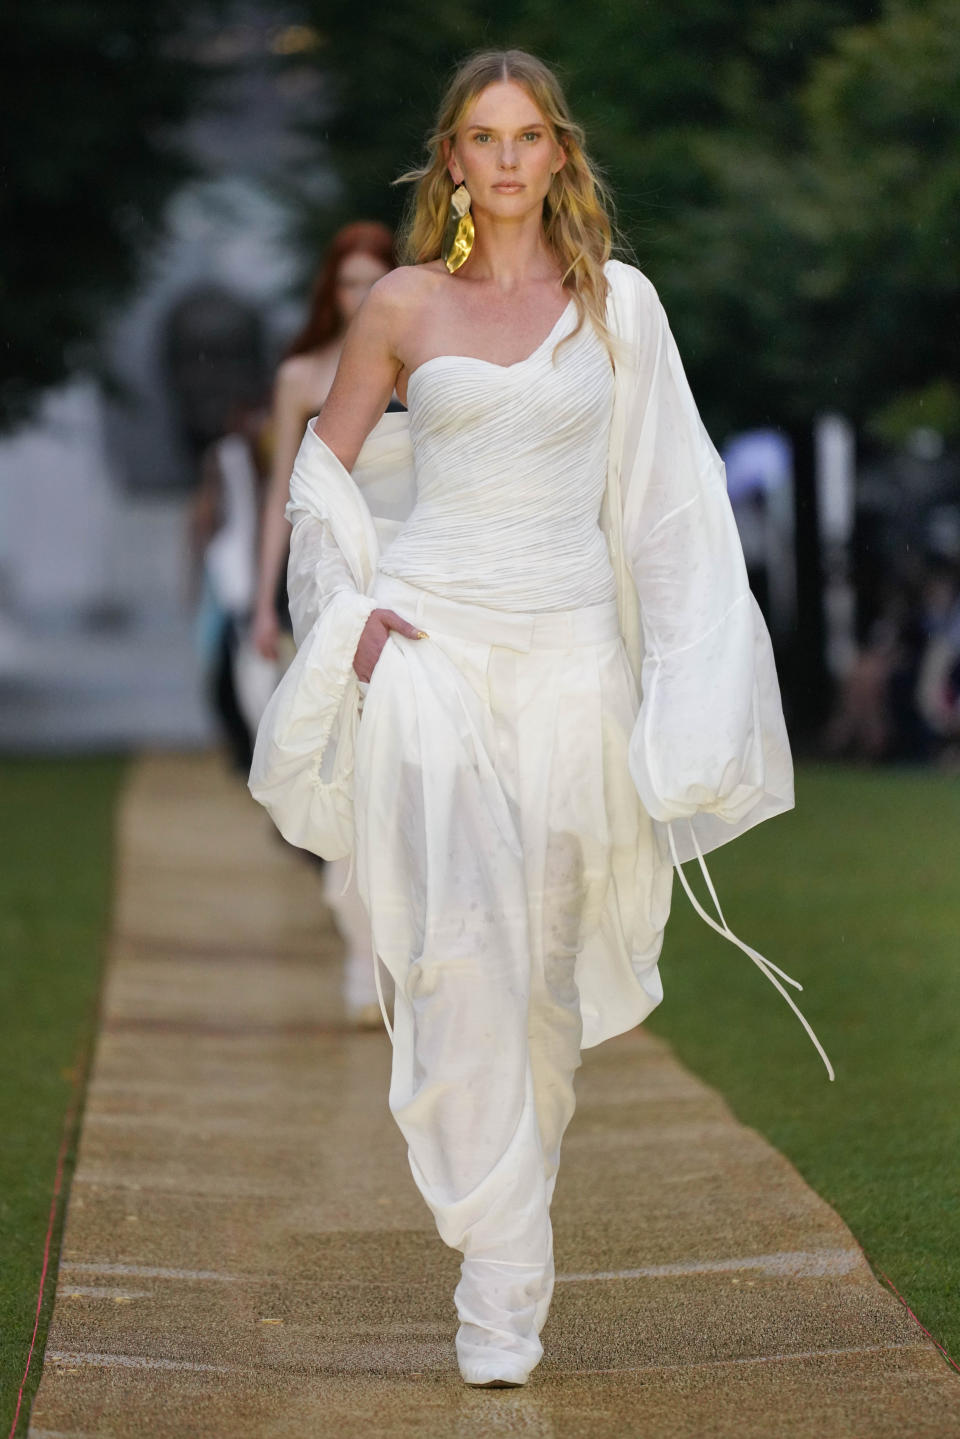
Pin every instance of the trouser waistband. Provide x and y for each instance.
(553, 629)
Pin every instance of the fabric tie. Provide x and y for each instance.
(765, 966)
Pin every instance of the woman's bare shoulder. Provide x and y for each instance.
(301, 374)
(406, 289)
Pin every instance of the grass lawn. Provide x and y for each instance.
(56, 820)
(857, 895)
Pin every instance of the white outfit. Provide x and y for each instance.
(509, 518)
(518, 885)
(230, 557)
(342, 897)
(510, 841)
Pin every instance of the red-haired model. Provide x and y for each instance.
(358, 256)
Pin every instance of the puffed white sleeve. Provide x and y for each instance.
(319, 577)
(302, 769)
(710, 744)
(330, 564)
(325, 572)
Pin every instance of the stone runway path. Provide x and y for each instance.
(246, 1256)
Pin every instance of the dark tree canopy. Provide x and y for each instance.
(91, 102)
(785, 171)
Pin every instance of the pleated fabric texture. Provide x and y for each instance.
(518, 897)
(511, 464)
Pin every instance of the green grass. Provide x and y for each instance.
(56, 819)
(857, 895)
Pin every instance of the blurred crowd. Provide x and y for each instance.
(896, 694)
(241, 540)
(900, 700)
(240, 534)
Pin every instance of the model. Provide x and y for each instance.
(532, 585)
(357, 256)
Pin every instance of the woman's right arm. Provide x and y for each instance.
(287, 422)
(365, 381)
(367, 373)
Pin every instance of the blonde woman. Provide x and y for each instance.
(568, 685)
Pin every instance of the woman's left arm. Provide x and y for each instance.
(709, 752)
(710, 744)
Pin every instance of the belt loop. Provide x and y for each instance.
(531, 635)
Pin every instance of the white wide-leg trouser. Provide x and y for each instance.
(497, 830)
(482, 1088)
(342, 896)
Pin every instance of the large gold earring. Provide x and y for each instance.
(458, 232)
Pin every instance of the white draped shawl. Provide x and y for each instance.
(709, 753)
(710, 744)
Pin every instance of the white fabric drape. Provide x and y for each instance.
(511, 470)
(518, 884)
(709, 744)
(508, 873)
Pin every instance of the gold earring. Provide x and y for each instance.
(458, 232)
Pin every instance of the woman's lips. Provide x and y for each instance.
(509, 185)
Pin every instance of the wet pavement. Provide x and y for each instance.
(245, 1252)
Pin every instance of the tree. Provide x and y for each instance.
(786, 171)
(884, 117)
(834, 263)
(91, 105)
(694, 111)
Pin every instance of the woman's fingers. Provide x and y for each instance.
(368, 652)
(403, 627)
(264, 634)
(374, 636)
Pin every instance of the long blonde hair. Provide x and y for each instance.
(577, 207)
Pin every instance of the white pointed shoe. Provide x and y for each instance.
(493, 1373)
(491, 1366)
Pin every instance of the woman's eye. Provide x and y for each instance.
(481, 136)
(532, 135)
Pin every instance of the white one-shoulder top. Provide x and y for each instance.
(510, 464)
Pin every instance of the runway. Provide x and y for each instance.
(245, 1253)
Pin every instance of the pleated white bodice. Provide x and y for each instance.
(510, 465)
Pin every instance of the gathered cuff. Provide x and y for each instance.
(302, 770)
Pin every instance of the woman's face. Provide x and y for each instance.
(357, 274)
(505, 153)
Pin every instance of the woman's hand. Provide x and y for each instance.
(375, 634)
(265, 632)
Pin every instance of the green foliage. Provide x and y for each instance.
(383, 87)
(884, 119)
(91, 99)
(833, 255)
(935, 406)
(56, 826)
(786, 171)
(855, 895)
